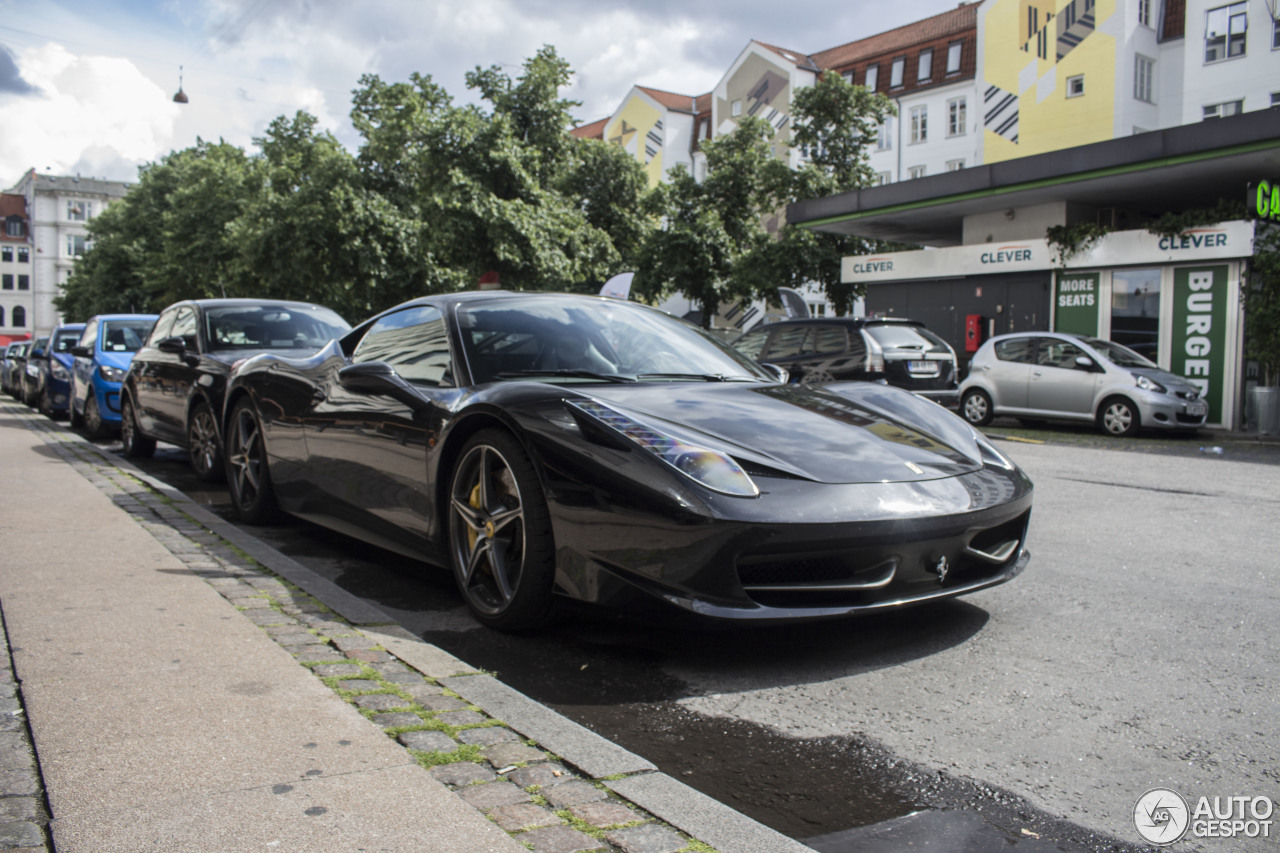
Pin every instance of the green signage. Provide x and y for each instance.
(1263, 200)
(1075, 303)
(1200, 332)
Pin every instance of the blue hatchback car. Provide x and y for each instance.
(102, 358)
(54, 387)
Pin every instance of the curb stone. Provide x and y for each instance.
(491, 745)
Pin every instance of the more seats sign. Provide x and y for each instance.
(1263, 200)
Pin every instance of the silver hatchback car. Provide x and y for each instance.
(1051, 375)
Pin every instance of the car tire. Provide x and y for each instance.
(500, 537)
(247, 470)
(94, 427)
(204, 446)
(136, 445)
(1118, 416)
(976, 407)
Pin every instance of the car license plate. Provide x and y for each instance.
(1198, 408)
(923, 368)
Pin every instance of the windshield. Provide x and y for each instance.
(259, 327)
(591, 339)
(125, 335)
(1116, 354)
(894, 336)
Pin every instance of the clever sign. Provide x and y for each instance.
(1263, 200)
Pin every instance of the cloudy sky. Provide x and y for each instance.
(86, 86)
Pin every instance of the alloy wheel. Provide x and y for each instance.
(487, 520)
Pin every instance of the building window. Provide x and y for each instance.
(919, 124)
(77, 245)
(1275, 99)
(953, 57)
(736, 109)
(79, 211)
(1227, 108)
(24, 282)
(848, 76)
(895, 72)
(882, 178)
(1275, 34)
(1075, 86)
(872, 78)
(24, 255)
(916, 172)
(19, 317)
(925, 69)
(1144, 75)
(817, 309)
(1224, 31)
(6, 282)
(1, 315)
(955, 165)
(1144, 12)
(957, 109)
(6, 253)
(884, 135)
(13, 227)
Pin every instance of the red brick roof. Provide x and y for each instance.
(941, 26)
(671, 100)
(592, 130)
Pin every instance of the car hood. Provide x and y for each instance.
(119, 360)
(1172, 381)
(848, 432)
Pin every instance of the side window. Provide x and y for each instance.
(752, 342)
(414, 342)
(163, 329)
(184, 326)
(1018, 349)
(831, 340)
(1056, 353)
(787, 342)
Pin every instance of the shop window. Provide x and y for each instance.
(896, 72)
(953, 57)
(1144, 74)
(957, 109)
(1224, 32)
(1135, 310)
(924, 70)
(873, 77)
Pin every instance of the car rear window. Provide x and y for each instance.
(894, 336)
(787, 341)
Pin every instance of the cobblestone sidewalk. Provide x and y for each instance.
(541, 800)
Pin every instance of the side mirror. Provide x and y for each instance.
(1084, 362)
(81, 352)
(173, 346)
(378, 377)
(779, 372)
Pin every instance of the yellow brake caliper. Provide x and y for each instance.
(475, 504)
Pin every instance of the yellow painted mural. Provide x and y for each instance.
(1050, 76)
(637, 128)
(759, 88)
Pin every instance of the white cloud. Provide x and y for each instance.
(89, 114)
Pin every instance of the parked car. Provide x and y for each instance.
(898, 351)
(54, 395)
(1051, 375)
(552, 446)
(33, 372)
(102, 358)
(173, 391)
(15, 363)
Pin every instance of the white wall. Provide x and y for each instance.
(1252, 77)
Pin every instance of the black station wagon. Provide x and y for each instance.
(898, 351)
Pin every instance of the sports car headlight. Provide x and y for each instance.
(59, 371)
(1146, 383)
(110, 374)
(711, 468)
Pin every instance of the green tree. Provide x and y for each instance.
(710, 229)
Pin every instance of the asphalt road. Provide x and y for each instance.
(1137, 651)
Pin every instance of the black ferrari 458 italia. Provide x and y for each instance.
(551, 445)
